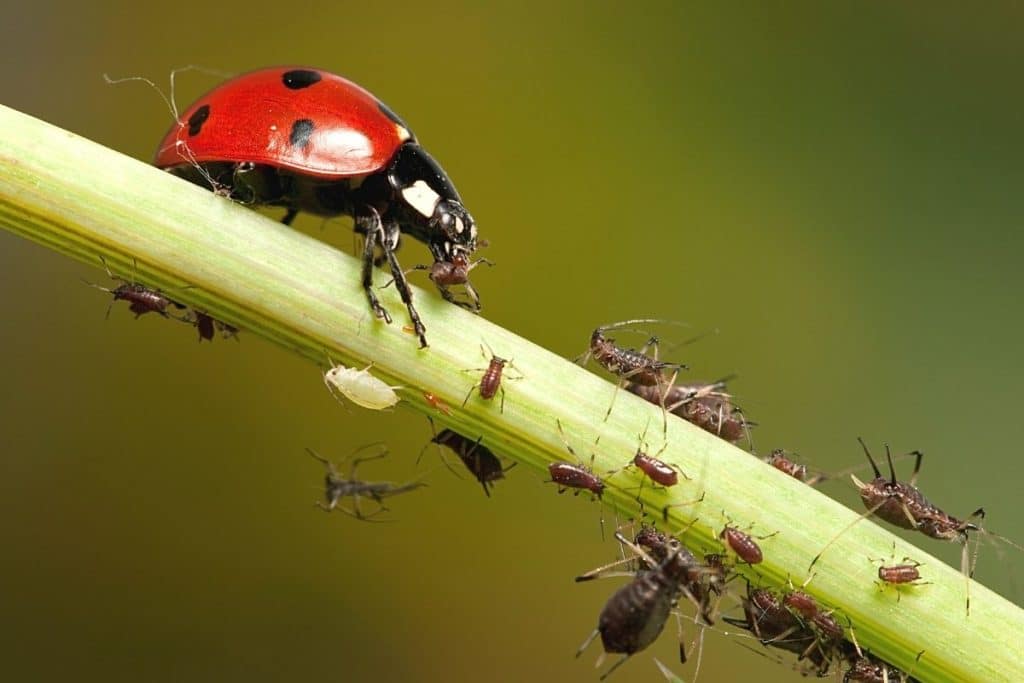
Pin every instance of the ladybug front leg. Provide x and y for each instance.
(390, 241)
(370, 225)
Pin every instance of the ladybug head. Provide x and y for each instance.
(453, 231)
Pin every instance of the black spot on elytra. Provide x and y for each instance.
(299, 79)
(198, 118)
(386, 110)
(301, 130)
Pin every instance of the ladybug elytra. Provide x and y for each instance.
(309, 140)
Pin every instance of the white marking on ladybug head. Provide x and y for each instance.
(421, 197)
(403, 132)
(459, 227)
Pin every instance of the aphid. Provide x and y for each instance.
(743, 544)
(803, 605)
(632, 365)
(776, 626)
(658, 471)
(705, 405)
(575, 476)
(781, 461)
(141, 299)
(903, 505)
(867, 668)
(699, 580)
(490, 382)
(437, 403)
(635, 615)
(478, 459)
(206, 324)
(337, 487)
(360, 387)
(897, 575)
(445, 274)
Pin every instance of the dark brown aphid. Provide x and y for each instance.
(743, 544)
(774, 625)
(141, 299)
(436, 402)
(632, 365)
(635, 615)
(490, 382)
(337, 487)
(903, 505)
(867, 668)
(206, 325)
(700, 581)
(705, 405)
(478, 459)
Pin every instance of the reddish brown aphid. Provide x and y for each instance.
(484, 465)
(570, 476)
(896, 575)
(657, 470)
(780, 460)
(743, 544)
(436, 402)
(141, 299)
(445, 274)
(864, 667)
(490, 383)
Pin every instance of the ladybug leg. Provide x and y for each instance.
(290, 216)
(370, 225)
(389, 244)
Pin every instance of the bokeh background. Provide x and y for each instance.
(836, 189)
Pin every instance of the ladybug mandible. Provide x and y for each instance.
(309, 140)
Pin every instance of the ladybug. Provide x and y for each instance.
(309, 140)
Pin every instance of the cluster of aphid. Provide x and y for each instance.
(142, 299)
(664, 572)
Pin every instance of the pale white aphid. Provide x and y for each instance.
(360, 387)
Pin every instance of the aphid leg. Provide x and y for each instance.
(605, 571)
(846, 528)
(664, 510)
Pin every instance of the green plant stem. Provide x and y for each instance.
(87, 202)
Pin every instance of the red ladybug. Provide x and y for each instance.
(309, 140)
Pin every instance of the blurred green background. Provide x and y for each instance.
(836, 188)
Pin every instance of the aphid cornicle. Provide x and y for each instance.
(309, 140)
(360, 387)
